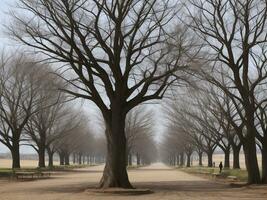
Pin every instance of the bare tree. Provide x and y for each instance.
(235, 33)
(119, 51)
(17, 100)
(137, 129)
(41, 128)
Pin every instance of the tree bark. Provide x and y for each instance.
(227, 158)
(41, 155)
(200, 154)
(67, 158)
(50, 158)
(115, 173)
(15, 154)
(61, 158)
(188, 155)
(264, 162)
(15, 157)
(251, 161)
(209, 154)
(236, 152)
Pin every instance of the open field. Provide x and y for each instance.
(167, 183)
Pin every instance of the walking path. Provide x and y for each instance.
(167, 183)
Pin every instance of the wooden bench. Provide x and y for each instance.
(25, 175)
(32, 175)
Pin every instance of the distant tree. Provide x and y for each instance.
(138, 128)
(18, 89)
(41, 128)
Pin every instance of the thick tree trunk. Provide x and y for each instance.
(209, 154)
(115, 173)
(15, 157)
(200, 154)
(227, 158)
(41, 155)
(251, 161)
(61, 158)
(50, 158)
(67, 158)
(236, 152)
(188, 157)
(15, 154)
(264, 162)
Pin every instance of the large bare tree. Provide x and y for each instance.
(122, 53)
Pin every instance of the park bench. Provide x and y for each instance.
(32, 175)
(24, 175)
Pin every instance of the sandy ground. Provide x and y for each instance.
(167, 183)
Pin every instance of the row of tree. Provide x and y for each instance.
(232, 78)
(34, 112)
(197, 124)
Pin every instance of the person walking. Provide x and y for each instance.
(220, 166)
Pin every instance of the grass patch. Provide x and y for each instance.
(240, 174)
(66, 167)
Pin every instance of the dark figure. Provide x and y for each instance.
(220, 166)
(213, 164)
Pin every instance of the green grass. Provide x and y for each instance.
(239, 173)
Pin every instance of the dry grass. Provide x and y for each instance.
(217, 158)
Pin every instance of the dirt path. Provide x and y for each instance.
(167, 184)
